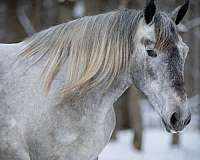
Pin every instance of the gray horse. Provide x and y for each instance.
(57, 88)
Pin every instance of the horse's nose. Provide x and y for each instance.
(187, 121)
(177, 123)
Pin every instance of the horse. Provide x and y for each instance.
(57, 87)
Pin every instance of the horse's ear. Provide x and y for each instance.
(149, 11)
(179, 12)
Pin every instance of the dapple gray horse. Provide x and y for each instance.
(57, 88)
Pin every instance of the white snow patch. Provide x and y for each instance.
(156, 146)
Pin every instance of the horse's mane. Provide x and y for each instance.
(96, 49)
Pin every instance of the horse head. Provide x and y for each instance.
(159, 58)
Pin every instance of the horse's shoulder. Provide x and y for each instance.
(12, 142)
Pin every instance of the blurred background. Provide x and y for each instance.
(139, 133)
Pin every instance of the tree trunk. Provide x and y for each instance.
(23, 15)
(94, 7)
(135, 117)
(4, 30)
(137, 4)
(175, 139)
(120, 107)
(100, 6)
(49, 13)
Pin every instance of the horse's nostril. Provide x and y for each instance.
(187, 120)
(179, 83)
(174, 119)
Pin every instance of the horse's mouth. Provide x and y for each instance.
(168, 127)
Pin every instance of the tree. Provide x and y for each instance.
(135, 117)
(94, 7)
(4, 30)
(49, 13)
(23, 14)
(131, 3)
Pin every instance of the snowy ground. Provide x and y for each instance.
(156, 147)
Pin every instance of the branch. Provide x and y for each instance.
(25, 21)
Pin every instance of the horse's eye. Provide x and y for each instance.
(151, 53)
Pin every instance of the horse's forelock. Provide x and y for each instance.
(165, 30)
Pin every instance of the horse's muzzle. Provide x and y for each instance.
(176, 123)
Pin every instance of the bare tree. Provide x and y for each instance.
(135, 117)
(100, 6)
(49, 13)
(23, 15)
(9, 26)
(94, 7)
(131, 3)
(4, 21)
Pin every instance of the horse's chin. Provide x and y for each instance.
(173, 131)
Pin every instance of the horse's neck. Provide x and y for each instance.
(117, 88)
(100, 101)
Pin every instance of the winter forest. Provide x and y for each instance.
(139, 133)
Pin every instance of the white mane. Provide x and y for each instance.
(97, 49)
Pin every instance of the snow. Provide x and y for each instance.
(156, 146)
